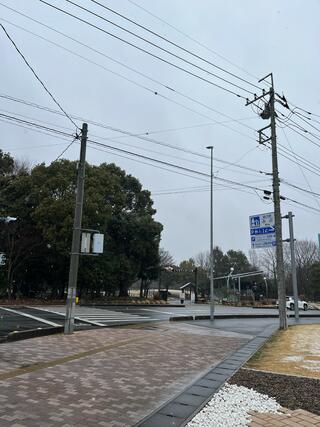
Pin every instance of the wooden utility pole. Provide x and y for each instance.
(76, 236)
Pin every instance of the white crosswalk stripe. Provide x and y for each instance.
(99, 317)
(102, 319)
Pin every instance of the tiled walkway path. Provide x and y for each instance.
(298, 418)
(106, 377)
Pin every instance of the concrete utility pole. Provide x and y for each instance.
(269, 113)
(211, 237)
(76, 236)
(293, 265)
(277, 217)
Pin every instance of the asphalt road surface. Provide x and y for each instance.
(26, 318)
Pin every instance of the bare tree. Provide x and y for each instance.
(254, 258)
(22, 166)
(306, 253)
(166, 258)
(202, 260)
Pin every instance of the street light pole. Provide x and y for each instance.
(211, 236)
(228, 280)
(266, 283)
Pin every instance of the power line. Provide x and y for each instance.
(302, 171)
(36, 76)
(313, 193)
(303, 204)
(10, 122)
(130, 134)
(306, 164)
(157, 46)
(36, 125)
(172, 165)
(143, 50)
(172, 43)
(194, 40)
(305, 120)
(163, 163)
(227, 181)
(299, 160)
(154, 92)
(166, 169)
(304, 110)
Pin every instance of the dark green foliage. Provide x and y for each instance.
(37, 244)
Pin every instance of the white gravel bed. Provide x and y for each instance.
(230, 406)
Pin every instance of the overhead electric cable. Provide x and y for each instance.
(159, 47)
(301, 169)
(173, 165)
(172, 43)
(36, 125)
(104, 126)
(154, 92)
(143, 50)
(227, 181)
(193, 39)
(36, 76)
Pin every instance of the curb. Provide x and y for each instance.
(182, 318)
(133, 305)
(239, 316)
(179, 410)
(31, 333)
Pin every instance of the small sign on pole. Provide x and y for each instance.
(85, 243)
(97, 243)
(262, 231)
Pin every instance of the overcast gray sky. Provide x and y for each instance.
(258, 37)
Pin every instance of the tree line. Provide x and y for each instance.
(307, 259)
(36, 220)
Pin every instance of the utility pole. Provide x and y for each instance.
(76, 236)
(211, 237)
(196, 283)
(293, 265)
(269, 113)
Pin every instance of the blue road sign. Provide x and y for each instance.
(262, 231)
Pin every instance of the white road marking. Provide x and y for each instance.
(102, 319)
(49, 311)
(39, 319)
(157, 311)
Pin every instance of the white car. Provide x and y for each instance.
(301, 304)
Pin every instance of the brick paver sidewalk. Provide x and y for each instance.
(106, 377)
(298, 418)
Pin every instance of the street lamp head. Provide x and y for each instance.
(210, 147)
(232, 269)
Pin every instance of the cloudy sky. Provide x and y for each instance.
(117, 85)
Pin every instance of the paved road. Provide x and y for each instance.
(195, 310)
(26, 318)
